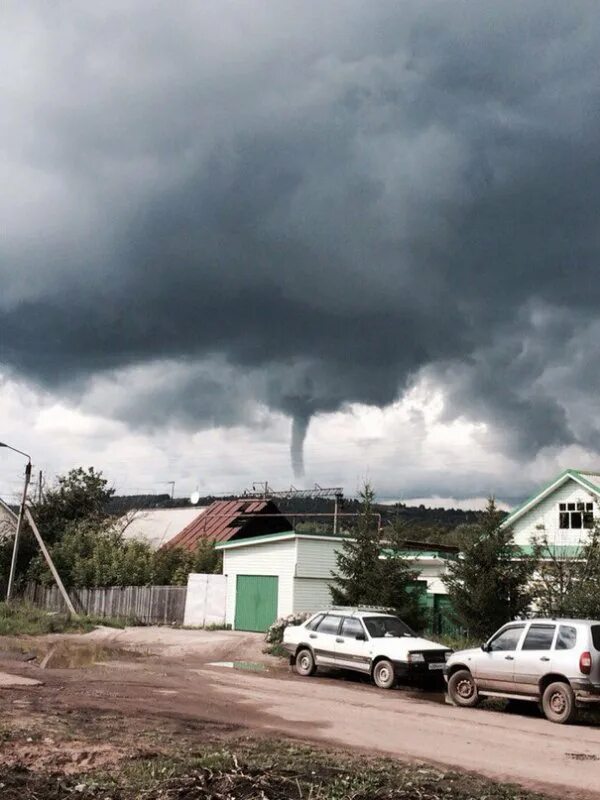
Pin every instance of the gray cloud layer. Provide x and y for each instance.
(307, 204)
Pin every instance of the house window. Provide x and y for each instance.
(575, 516)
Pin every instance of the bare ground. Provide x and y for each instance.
(154, 683)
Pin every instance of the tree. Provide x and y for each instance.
(568, 582)
(491, 582)
(399, 589)
(556, 578)
(374, 572)
(584, 599)
(358, 577)
(78, 495)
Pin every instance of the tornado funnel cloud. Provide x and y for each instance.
(299, 428)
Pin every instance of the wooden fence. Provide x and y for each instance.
(146, 605)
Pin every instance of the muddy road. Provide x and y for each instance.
(176, 679)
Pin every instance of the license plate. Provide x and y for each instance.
(437, 666)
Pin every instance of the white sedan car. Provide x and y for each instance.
(368, 641)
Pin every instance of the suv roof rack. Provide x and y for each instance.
(385, 609)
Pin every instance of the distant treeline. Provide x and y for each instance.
(421, 522)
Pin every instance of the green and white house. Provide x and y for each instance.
(562, 512)
(284, 573)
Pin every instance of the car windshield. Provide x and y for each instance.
(380, 627)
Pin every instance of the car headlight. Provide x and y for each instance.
(416, 657)
(447, 654)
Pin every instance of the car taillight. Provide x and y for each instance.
(585, 663)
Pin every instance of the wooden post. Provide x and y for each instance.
(50, 563)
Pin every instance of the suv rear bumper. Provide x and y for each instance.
(586, 692)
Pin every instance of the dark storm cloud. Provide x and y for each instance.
(307, 205)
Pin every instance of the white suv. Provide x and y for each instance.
(554, 662)
(370, 641)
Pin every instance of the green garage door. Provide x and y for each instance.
(255, 602)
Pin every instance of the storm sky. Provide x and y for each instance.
(233, 227)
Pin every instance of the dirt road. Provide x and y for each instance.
(175, 681)
(509, 747)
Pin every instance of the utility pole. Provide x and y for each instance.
(338, 499)
(39, 487)
(13, 563)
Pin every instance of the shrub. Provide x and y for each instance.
(274, 634)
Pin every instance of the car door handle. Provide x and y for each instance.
(339, 640)
(509, 658)
(544, 658)
(312, 635)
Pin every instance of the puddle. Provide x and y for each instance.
(68, 655)
(248, 666)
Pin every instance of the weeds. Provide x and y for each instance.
(25, 619)
(195, 763)
(271, 770)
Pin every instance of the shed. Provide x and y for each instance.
(284, 573)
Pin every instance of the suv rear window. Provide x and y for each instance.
(567, 637)
(539, 637)
(596, 636)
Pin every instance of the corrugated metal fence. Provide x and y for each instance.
(146, 605)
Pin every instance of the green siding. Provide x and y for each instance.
(255, 602)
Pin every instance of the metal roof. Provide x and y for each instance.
(157, 526)
(223, 520)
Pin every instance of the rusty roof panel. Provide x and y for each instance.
(222, 520)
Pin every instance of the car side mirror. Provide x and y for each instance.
(360, 637)
(485, 647)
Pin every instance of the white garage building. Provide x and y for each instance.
(279, 574)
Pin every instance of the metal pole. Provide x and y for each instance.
(50, 563)
(13, 563)
(335, 514)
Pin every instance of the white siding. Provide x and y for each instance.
(433, 573)
(316, 558)
(542, 519)
(268, 558)
(311, 594)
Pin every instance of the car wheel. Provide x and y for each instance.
(462, 689)
(305, 663)
(558, 703)
(383, 674)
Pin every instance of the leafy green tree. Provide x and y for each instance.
(557, 578)
(491, 583)
(568, 585)
(93, 553)
(78, 495)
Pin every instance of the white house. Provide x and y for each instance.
(562, 512)
(279, 574)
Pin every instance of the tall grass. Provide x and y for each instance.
(18, 618)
